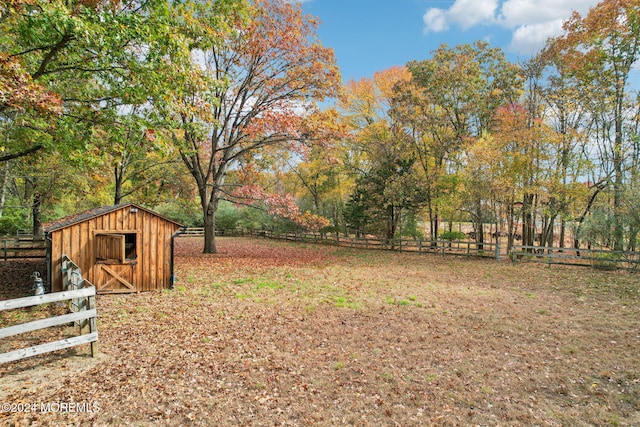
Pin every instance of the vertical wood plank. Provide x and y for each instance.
(148, 262)
(162, 255)
(56, 253)
(119, 225)
(90, 254)
(153, 256)
(74, 254)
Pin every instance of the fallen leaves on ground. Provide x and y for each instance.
(272, 333)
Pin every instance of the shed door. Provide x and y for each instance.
(115, 262)
(115, 278)
(110, 248)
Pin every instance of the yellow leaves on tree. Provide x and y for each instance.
(367, 100)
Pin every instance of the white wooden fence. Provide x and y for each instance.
(82, 295)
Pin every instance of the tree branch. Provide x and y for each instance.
(21, 153)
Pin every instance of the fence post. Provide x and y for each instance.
(93, 327)
(497, 250)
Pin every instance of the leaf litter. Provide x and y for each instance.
(272, 333)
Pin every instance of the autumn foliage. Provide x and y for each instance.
(19, 92)
(280, 205)
(263, 80)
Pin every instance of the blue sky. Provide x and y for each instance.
(372, 35)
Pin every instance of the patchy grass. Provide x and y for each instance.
(270, 333)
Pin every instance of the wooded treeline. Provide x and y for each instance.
(187, 107)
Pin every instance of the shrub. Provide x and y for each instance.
(410, 227)
(12, 223)
(187, 213)
(452, 235)
(227, 216)
(605, 261)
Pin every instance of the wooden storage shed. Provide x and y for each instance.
(122, 248)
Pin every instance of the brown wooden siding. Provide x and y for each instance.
(150, 271)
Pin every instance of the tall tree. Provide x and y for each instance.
(320, 170)
(601, 50)
(376, 155)
(386, 192)
(67, 68)
(60, 57)
(565, 109)
(451, 102)
(251, 93)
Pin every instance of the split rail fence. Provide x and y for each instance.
(443, 247)
(82, 297)
(20, 247)
(597, 258)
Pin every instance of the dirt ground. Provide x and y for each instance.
(272, 333)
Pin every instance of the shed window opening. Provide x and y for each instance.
(130, 246)
(115, 248)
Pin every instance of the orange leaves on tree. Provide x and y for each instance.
(19, 92)
(283, 206)
(602, 43)
(386, 80)
(266, 78)
(275, 121)
(280, 46)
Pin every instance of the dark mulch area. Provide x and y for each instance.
(15, 277)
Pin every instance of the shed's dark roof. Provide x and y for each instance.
(93, 213)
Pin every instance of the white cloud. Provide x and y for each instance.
(528, 39)
(516, 13)
(469, 13)
(435, 20)
(465, 13)
(532, 21)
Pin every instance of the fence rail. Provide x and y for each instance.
(443, 247)
(21, 247)
(199, 231)
(89, 314)
(597, 258)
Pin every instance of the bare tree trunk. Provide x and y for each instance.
(4, 187)
(528, 229)
(118, 173)
(210, 231)
(599, 187)
(210, 208)
(480, 225)
(510, 226)
(36, 208)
